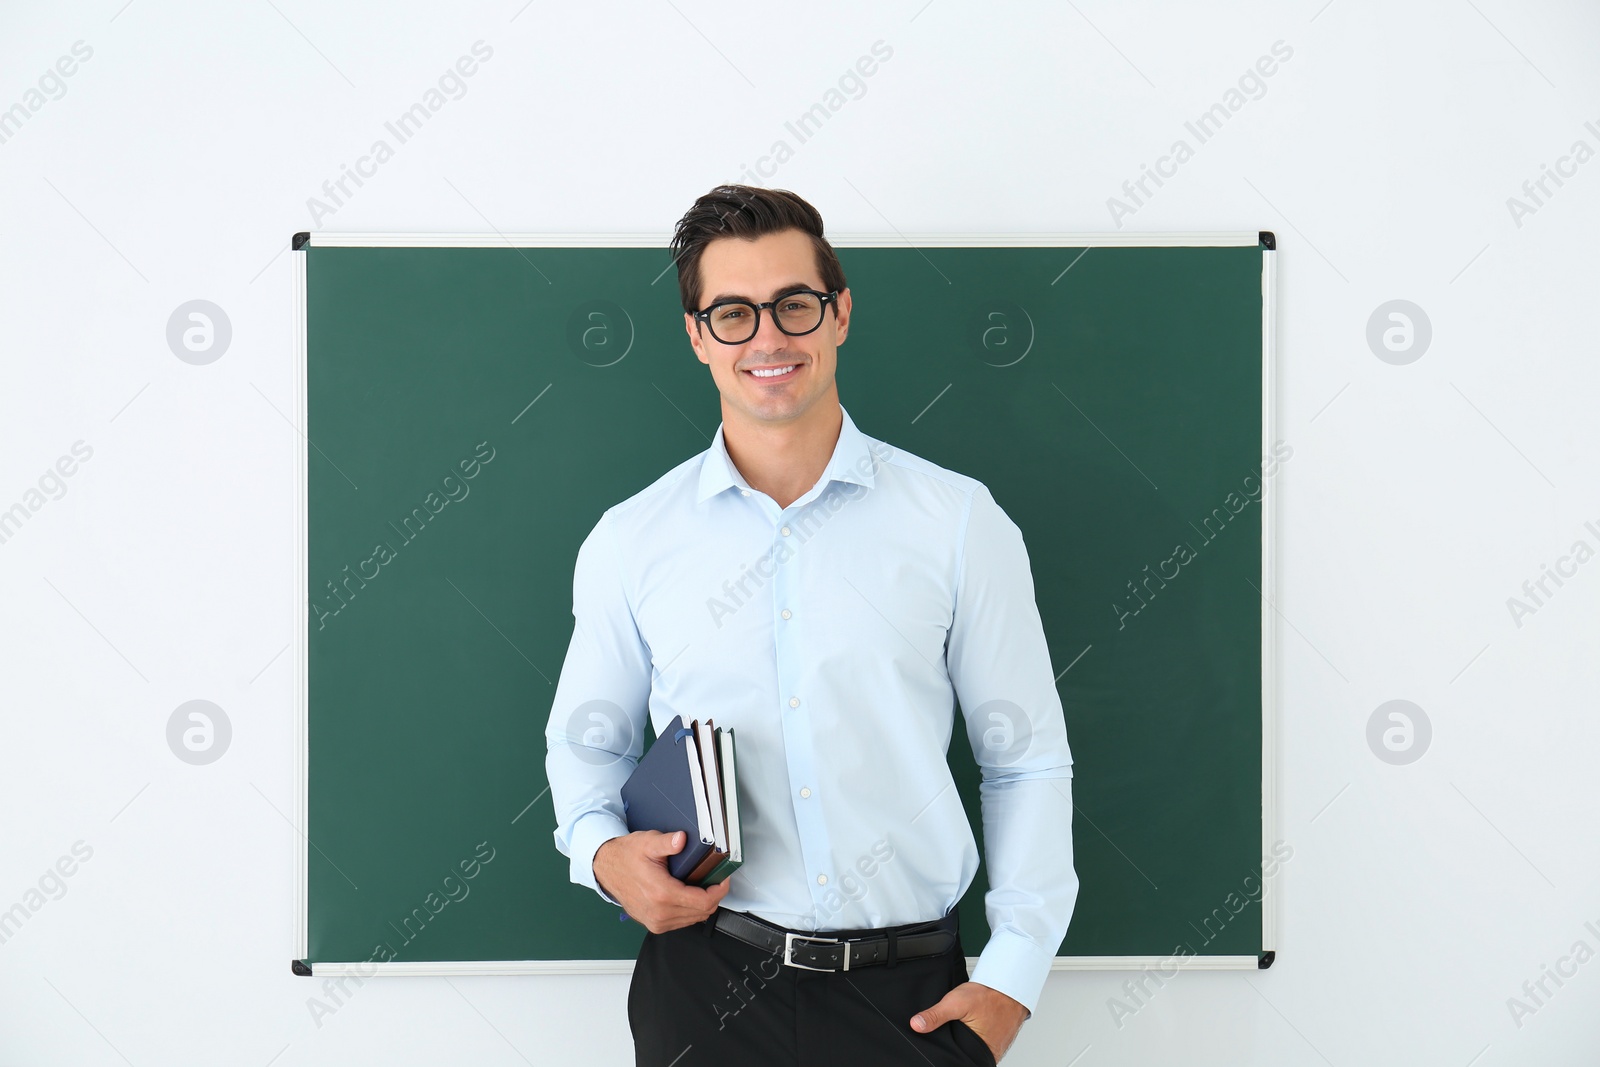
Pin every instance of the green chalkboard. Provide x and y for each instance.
(472, 407)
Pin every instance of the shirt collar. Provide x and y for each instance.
(853, 461)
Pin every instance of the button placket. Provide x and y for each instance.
(815, 850)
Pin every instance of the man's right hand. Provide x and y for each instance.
(633, 870)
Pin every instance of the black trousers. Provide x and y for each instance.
(704, 999)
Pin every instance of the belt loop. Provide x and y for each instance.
(893, 946)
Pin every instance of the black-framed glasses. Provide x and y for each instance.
(733, 322)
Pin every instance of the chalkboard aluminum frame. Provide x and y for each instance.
(1269, 674)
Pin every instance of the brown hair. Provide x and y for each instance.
(746, 211)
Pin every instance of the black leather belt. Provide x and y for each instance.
(840, 950)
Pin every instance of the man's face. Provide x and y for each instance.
(757, 270)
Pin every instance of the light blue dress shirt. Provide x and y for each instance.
(835, 636)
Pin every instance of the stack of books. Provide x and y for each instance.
(688, 781)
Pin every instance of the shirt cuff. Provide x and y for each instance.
(1015, 966)
(588, 834)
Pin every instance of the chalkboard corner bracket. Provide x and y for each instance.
(1269, 240)
(301, 968)
(1264, 960)
(299, 241)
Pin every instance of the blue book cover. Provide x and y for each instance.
(660, 795)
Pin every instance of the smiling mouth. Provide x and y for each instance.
(770, 375)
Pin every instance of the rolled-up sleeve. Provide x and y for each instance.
(596, 730)
(999, 664)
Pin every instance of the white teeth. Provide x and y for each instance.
(770, 373)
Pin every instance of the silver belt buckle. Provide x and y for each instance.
(789, 938)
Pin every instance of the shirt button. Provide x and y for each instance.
(794, 702)
(744, 492)
(822, 879)
(784, 531)
(787, 613)
(805, 793)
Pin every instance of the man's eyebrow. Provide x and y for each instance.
(784, 291)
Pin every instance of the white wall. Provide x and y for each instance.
(180, 158)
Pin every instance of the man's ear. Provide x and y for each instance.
(696, 342)
(842, 326)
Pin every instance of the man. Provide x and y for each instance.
(831, 598)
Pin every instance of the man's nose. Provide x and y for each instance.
(768, 337)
